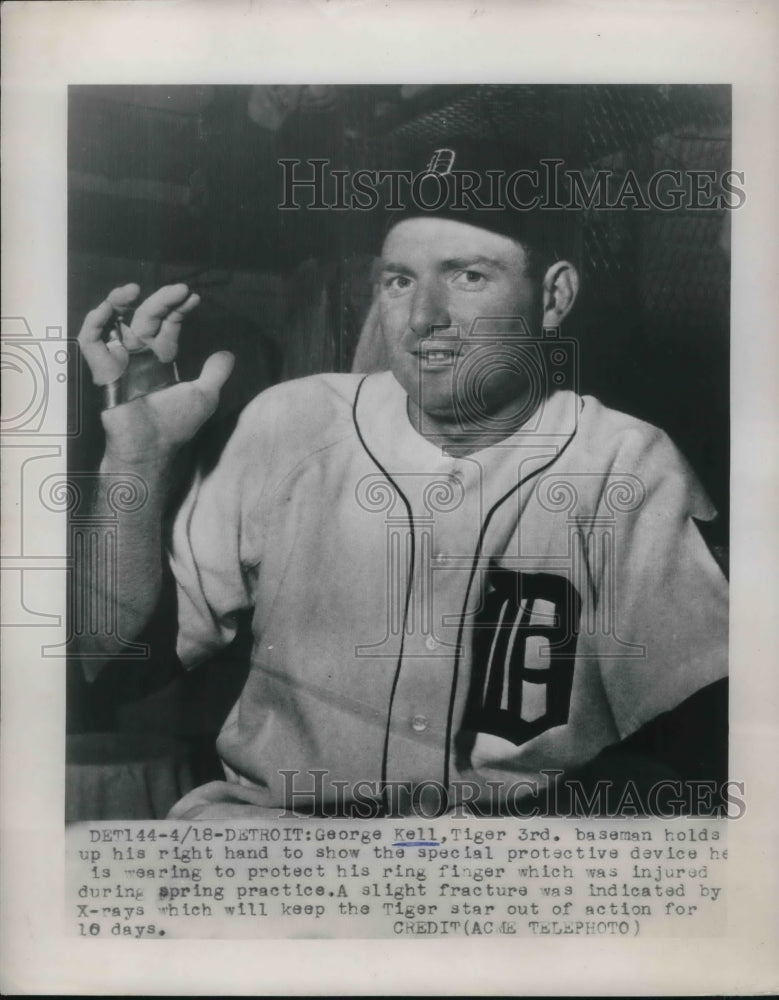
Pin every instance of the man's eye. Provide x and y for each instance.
(472, 280)
(397, 283)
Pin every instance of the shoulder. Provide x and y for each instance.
(331, 393)
(619, 445)
(620, 438)
(304, 413)
(616, 430)
(279, 430)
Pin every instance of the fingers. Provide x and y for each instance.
(168, 301)
(156, 324)
(166, 343)
(118, 352)
(104, 364)
(96, 320)
(215, 373)
(123, 297)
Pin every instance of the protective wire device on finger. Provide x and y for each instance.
(144, 374)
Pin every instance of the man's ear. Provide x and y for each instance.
(560, 287)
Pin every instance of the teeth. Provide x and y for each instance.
(438, 357)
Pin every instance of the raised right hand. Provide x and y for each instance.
(153, 427)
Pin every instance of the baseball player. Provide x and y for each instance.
(463, 576)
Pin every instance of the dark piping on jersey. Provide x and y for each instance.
(409, 587)
(474, 566)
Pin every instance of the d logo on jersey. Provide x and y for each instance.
(524, 643)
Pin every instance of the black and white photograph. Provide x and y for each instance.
(412, 406)
(388, 470)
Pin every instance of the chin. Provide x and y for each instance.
(442, 413)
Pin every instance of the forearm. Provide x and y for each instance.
(131, 498)
(118, 587)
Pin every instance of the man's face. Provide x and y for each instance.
(438, 277)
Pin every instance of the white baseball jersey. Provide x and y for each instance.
(419, 617)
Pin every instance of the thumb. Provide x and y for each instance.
(215, 373)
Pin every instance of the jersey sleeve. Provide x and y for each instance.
(661, 598)
(216, 536)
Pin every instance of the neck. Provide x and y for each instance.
(449, 433)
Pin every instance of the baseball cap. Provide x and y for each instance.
(499, 186)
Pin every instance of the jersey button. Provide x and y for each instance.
(419, 723)
(431, 643)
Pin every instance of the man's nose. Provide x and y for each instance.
(429, 308)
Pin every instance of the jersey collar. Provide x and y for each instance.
(382, 421)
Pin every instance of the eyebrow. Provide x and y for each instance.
(381, 266)
(463, 263)
(451, 264)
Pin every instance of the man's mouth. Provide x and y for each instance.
(437, 355)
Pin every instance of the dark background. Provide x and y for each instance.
(182, 183)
